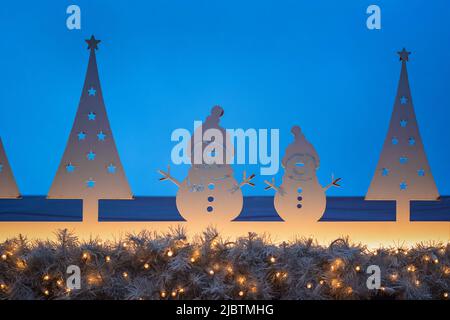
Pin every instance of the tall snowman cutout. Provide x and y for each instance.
(300, 196)
(209, 194)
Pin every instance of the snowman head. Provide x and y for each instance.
(204, 174)
(301, 167)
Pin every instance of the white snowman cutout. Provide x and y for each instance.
(209, 194)
(300, 196)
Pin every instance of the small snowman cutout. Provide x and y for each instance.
(300, 196)
(209, 193)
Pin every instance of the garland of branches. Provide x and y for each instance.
(167, 266)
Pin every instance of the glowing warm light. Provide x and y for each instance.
(349, 290)
(253, 289)
(68, 290)
(169, 253)
(21, 264)
(211, 272)
(241, 280)
(230, 269)
(417, 283)
(321, 282)
(446, 271)
(59, 282)
(181, 290)
(85, 256)
(46, 292)
(272, 259)
(436, 261)
(335, 283)
(3, 286)
(309, 285)
(195, 255)
(358, 268)
(125, 274)
(445, 295)
(411, 268)
(216, 266)
(281, 275)
(174, 293)
(241, 293)
(46, 277)
(4, 256)
(146, 266)
(214, 244)
(94, 279)
(426, 258)
(108, 259)
(163, 294)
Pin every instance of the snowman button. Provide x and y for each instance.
(209, 209)
(299, 205)
(210, 199)
(299, 198)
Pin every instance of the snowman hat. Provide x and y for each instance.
(300, 147)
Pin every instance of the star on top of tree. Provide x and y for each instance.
(92, 43)
(404, 55)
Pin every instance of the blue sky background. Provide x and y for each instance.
(270, 64)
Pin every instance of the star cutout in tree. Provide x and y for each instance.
(385, 172)
(90, 183)
(91, 116)
(421, 173)
(412, 141)
(92, 43)
(403, 186)
(92, 91)
(404, 55)
(394, 141)
(403, 100)
(101, 136)
(70, 168)
(111, 168)
(91, 156)
(1, 167)
(81, 135)
(403, 123)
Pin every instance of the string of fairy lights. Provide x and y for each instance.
(169, 267)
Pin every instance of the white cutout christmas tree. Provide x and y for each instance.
(403, 173)
(90, 168)
(8, 186)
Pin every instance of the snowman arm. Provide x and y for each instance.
(167, 176)
(333, 183)
(247, 180)
(271, 185)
